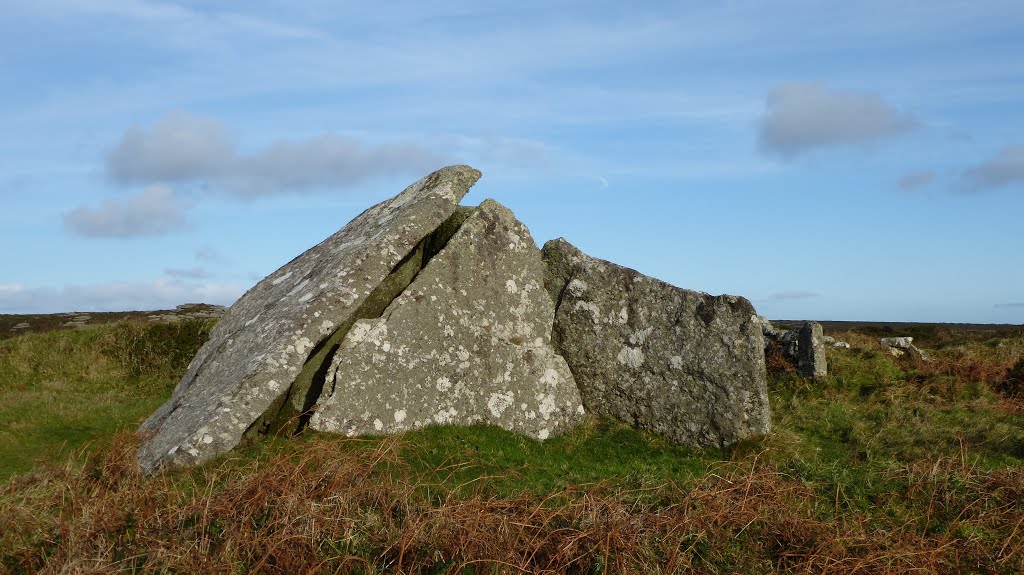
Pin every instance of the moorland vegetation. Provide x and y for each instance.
(886, 465)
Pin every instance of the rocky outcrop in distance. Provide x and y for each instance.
(424, 312)
(803, 347)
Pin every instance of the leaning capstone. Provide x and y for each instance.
(262, 367)
(680, 363)
(811, 360)
(468, 341)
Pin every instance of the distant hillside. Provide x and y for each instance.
(15, 324)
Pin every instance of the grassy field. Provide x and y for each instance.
(888, 465)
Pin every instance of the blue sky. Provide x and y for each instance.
(826, 160)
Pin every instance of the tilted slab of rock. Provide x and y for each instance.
(468, 341)
(680, 363)
(263, 364)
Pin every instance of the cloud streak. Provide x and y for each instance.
(803, 117)
(1004, 169)
(154, 212)
(913, 181)
(161, 293)
(1010, 305)
(183, 148)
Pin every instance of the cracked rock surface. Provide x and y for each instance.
(468, 341)
(242, 380)
(680, 363)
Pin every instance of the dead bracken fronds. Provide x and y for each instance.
(326, 507)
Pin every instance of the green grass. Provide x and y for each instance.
(886, 465)
(62, 389)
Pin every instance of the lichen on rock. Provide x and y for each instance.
(242, 378)
(680, 363)
(468, 341)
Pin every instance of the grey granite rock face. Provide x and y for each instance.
(258, 370)
(468, 341)
(811, 361)
(680, 363)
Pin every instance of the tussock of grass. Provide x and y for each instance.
(888, 465)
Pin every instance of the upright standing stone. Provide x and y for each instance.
(468, 341)
(680, 363)
(262, 366)
(811, 361)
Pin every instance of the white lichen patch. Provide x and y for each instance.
(326, 327)
(445, 416)
(591, 308)
(577, 287)
(676, 362)
(400, 416)
(631, 357)
(640, 336)
(301, 286)
(443, 384)
(499, 402)
(281, 279)
(378, 425)
(511, 287)
(543, 434)
(547, 406)
(550, 378)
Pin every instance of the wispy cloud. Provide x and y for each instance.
(1004, 169)
(161, 293)
(1010, 305)
(912, 181)
(208, 254)
(793, 295)
(154, 212)
(802, 117)
(183, 148)
(197, 272)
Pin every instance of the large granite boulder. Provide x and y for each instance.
(680, 363)
(265, 362)
(468, 341)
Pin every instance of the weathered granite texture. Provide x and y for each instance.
(263, 364)
(468, 341)
(810, 358)
(681, 363)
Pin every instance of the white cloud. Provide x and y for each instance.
(327, 161)
(1006, 168)
(154, 212)
(802, 117)
(177, 148)
(915, 180)
(187, 148)
(161, 293)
